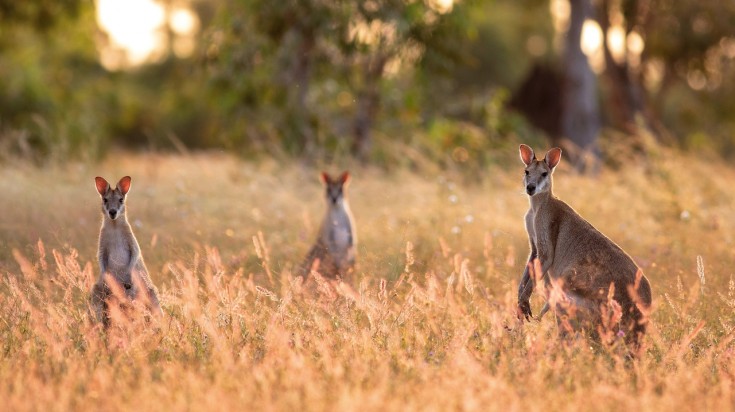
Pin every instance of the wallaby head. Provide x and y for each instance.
(113, 200)
(537, 177)
(335, 187)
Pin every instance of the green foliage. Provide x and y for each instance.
(49, 87)
(285, 79)
(41, 15)
(307, 78)
(309, 70)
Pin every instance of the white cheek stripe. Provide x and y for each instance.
(543, 184)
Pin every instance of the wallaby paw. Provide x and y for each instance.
(523, 310)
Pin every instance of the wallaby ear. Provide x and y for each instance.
(345, 178)
(527, 155)
(101, 185)
(553, 157)
(324, 178)
(124, 185)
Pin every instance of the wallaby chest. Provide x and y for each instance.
(337, 232)
(117, 249)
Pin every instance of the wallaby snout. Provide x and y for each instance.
(530, 188)
(112, 213)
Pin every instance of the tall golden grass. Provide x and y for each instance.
(428, 322)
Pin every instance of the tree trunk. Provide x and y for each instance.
(368, 103)
(298, 89)
(580, 114)
(301, 70)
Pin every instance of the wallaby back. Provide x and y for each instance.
(334, 251)
(590, 280)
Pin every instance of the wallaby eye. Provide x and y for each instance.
(105, 200)
(526, 172)
(544, 174)
(121, 200)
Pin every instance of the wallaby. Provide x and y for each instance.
(119, 255)
(590, 281)
(334, 253)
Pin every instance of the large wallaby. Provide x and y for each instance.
(590, 281)
(334, 253)
(119, 255)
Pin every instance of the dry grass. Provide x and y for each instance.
(428, 323)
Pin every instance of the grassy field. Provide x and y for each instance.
(427, 323)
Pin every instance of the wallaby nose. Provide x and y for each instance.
(530, 189)
(113, 213)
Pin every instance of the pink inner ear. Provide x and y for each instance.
(124, 184)
(324, 177)
(101, 185)
(527, 155)
(553, 157)
(345, 177)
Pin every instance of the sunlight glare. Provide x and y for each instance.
(185, 25)
(591, 44)
(134, 30)
(635, 43)
(374, 33)
(616, 42)
(184, 22)
(441, 6)
(591, 37)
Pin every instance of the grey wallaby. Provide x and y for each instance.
(333, 254)
(119, 255)
(590, 281)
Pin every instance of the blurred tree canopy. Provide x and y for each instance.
(687, 64)
(317, 74)
(41, 15)
(388, 81)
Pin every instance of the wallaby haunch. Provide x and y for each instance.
(334, 253)
(119, 255)
(590, 282)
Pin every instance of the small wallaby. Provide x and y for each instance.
(119, 254)
(334, 253)
(591, 281)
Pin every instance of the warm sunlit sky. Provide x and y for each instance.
(138, 32)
